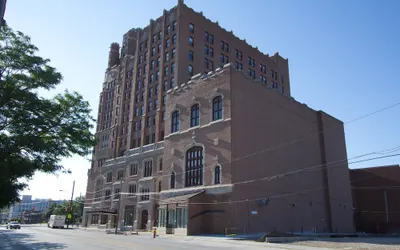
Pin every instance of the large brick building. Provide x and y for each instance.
(185, 110)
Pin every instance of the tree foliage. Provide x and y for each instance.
(64, 209)
(35, 132)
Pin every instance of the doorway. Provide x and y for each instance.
(144, 219)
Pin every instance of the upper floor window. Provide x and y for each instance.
(206, 36)
(217, 175)
(217, 108)
(174, 39)
(191, 41)
(133, 169)
(148, 168)
(172, 180)
(191, 56)
(109, 177)
(120, 175)
(194, 167)
(132, 189)
(160, 164)
(211, 40)
(144, 194)
(175, 121)
(174, 25)
(168, 29)
(190, 70)
(191, 28)
(195, 115)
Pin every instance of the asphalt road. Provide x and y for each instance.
(37, 237)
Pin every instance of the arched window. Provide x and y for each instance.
(195, 115)
(217, 108)
(172, 180)
(217, 175)
(159, 186)
(194, 167)
(175, 121)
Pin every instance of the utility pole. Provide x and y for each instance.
(119, 206)
(70, 204)
(386, 205)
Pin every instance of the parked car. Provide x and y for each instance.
(13, 225)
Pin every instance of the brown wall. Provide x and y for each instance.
(271, 126)
(175, 145)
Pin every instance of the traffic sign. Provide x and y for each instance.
(69, 216)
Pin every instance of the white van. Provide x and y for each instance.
(56, 221)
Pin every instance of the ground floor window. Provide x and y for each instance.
(177, 218)
(129, 215)
(95, 219)
(181, 217)
(162, 217)
(104, 219)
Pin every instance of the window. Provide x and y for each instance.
(174, 39)
(132, 189)
(165, 86)
(164, 100)
(133, 169)
(116, 193)
(160, 35)
(274, 85)
(153, 51)
(120, 175)
(160, 164)
(148, 165)
(194, 167)
(107, 194)
(168, 43)
(191, 56)
(211, 65)
(191, 28)
(191, 41)
(109, 177)
(221, 58)
(142, 109)
(158, 61)
(173, 53)
(154, 39)
(159, 48)
(206, 36)
(175, 121)
(172, 180)
(172, 68)
(195, 115)
(206, 63)
(166, 56)
(156, 89)
(206, 49)
(155, 104)
(150, 106)
(217, 175)
(144, 194)
(211, 50)
(168, 29)
(211, 39)
(172, 82)
(174, 25)
(190, 70)
(217, 108)
(166, 70)
(149, 121)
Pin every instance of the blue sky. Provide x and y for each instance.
(343, 57)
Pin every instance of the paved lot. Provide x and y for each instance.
(37, 237)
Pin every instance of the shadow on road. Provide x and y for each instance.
(20, 240)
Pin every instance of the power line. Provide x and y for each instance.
(266, 178)
(315, 167)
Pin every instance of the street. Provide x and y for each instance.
(39, 237)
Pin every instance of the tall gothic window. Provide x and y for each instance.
(217, 108)
(195, 115)
(194, 167)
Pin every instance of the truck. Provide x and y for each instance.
(56, 221)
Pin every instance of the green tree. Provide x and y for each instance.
(35, 132)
